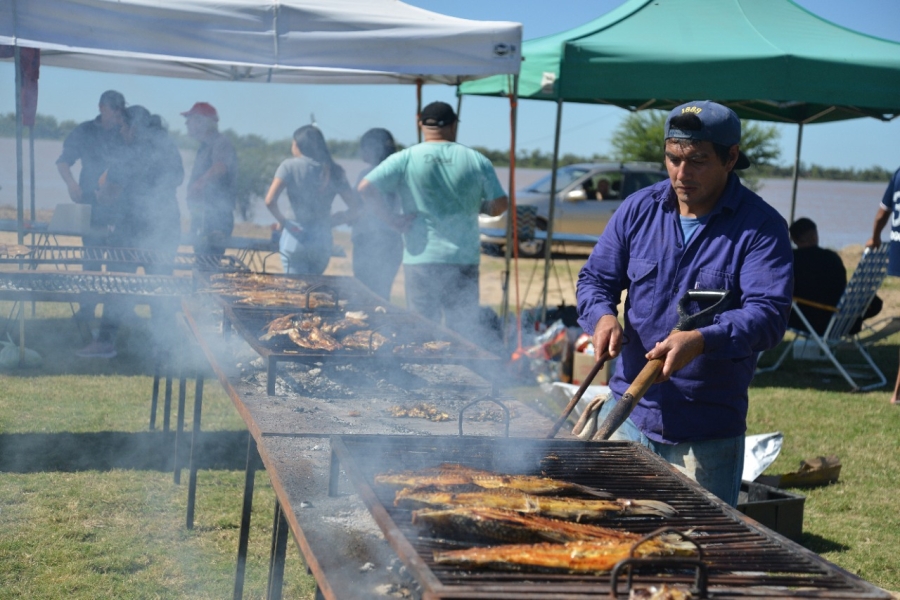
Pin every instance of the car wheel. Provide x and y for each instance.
(533, 248)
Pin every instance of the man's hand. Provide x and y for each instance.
(74, 192)
(607, 337)
(676, 351)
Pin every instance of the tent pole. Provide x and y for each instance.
(418, 109)
(796, 171)
(549, 243)
(31, 173)
(20, 179)
(511, 216)
(458, 103)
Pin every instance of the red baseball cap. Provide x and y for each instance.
(203, 109)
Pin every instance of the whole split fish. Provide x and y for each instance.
(448, 475)
(575, 509)
(572, 557)
(500, 525)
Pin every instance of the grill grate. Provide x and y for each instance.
(743, 559)
(52, 286)
(133, 257)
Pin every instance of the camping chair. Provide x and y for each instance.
(860, 290)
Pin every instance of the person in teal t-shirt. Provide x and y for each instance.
(443, 186)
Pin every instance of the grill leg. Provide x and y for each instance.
(154, 398)
(179, 426)
(167, 402)
(276, 557)
(272, 367)
(244, 538)
(195, 441)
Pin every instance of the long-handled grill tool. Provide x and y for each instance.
(584, 386)
(641, 383)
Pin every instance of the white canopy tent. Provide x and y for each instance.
(286, 41)
(304, 41)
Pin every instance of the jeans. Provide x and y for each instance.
(445, 290)
(717, 465)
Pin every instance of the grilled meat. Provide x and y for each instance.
(308, 334)
(346, 325)
(573, 557)
(495, 524)
(364, 340)
(279, 326)
(576, 509)
(447, 475)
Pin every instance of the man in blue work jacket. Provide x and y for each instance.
(702, 229)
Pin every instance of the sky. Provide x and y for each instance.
(345, 112)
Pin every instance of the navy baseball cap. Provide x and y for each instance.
(719, 125)
(437, 114)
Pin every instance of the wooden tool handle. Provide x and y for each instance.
(622, 410)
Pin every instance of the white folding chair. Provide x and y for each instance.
(858, 294)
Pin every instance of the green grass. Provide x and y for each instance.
(88, 508)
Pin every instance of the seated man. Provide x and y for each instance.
(819, 276)
(603, 191)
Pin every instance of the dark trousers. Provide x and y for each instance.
(448, 292)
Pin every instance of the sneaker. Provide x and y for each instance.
(98, 350)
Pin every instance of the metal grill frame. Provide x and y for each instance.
(744, 559)
(467, 354)
(133, 257)
(62, 286)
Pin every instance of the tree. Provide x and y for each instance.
(639, 137)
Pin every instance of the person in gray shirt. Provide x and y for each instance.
(312, 180)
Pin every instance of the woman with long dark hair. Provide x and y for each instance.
(377, 248)
(312, 180)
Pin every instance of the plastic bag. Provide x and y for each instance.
(9, 356)
(760, 451)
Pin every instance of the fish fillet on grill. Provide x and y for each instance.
(448, 475)
(499, 525)
(572, 557)
(575, 509)
(363, 340)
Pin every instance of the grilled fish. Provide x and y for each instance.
(576, 509)
(448, 475)
(573, 557)
(495, 524)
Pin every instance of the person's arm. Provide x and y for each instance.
(351, 199)
(65, 171)
(373, 198)
(216, 171)
(496, 206)
(881, 219)
(272, 201)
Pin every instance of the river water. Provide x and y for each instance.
(843, 210)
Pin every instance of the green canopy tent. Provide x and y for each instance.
(769, 60)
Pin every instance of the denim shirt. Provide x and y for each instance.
(743, 247)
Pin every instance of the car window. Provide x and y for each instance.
(564, 177)
(606, 185)
(635, 181)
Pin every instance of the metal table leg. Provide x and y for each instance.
(179, 426)
(244, 538)
(154, 398)
(277, 554)
(167, 403)
(195, 440)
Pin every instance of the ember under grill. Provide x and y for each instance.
(743, 559)
(78, 286)
(407, 334)
(33, 256)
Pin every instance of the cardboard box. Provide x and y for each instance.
(778, 510)
(583, 363)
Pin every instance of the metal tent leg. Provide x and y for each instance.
(244, 537)
(195, 440)
(179, 428)
(277, 554)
